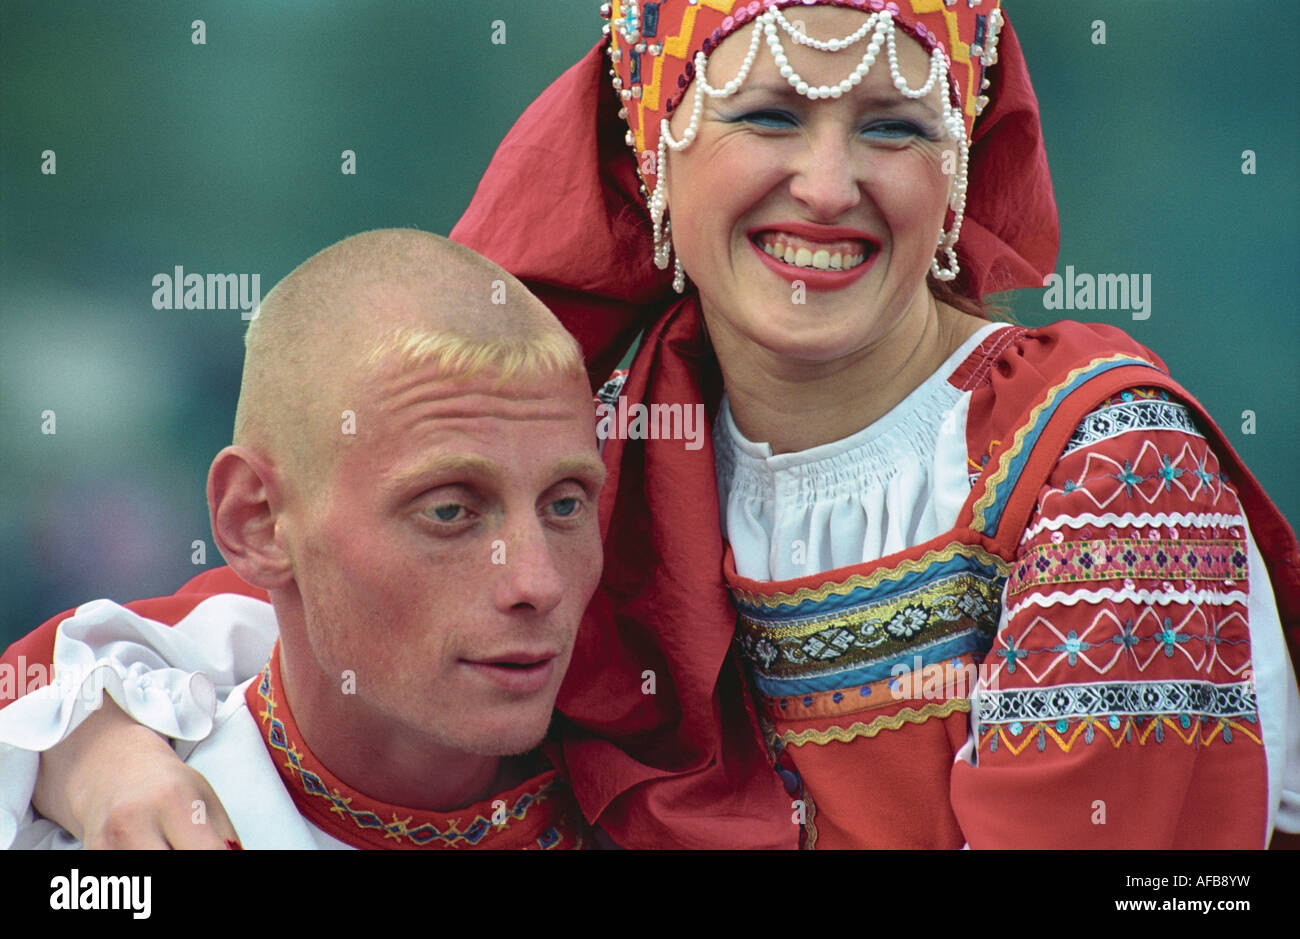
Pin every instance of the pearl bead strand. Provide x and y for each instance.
(879, 22)
(828, 45)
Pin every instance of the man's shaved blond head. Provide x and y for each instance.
(378, 299)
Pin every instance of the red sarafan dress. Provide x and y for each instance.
(1087, 654)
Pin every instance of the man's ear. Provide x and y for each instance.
(243, 503)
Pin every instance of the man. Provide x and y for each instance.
(412, 483)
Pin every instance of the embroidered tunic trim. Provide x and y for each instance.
(538, 814)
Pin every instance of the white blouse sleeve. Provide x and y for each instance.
(1276, 696)
(168, 678)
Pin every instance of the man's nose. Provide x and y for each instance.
(530, 576)
(826, 179)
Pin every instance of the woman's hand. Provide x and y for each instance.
(116, 784)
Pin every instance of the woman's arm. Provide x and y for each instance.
(150, 799)
(1138, 693)
(166, 673)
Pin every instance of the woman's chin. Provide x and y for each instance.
(811, 346)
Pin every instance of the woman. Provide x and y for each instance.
(875, 399)
(953, 555)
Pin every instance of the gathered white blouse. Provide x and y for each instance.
(894, 484)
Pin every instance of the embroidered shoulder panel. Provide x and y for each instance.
(1127, 603)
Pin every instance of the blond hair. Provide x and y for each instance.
(459, 356)
(312, 343)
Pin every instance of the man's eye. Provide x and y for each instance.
(566, 508)
(449, 512)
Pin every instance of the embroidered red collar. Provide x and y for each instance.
(539, 813)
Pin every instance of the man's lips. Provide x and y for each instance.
(518, 671)
(522, 657)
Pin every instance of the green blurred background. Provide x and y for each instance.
(226, 157)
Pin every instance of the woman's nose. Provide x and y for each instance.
(825, 179)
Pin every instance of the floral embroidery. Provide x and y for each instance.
(907, 622)
(1127, 636)
(1212, 639)
(1073, 645)
(1205, 476)
(1129, 478)
(1169, 472)
(1011, 653)
(1170, 638)
(765, 652)
(1152, 473)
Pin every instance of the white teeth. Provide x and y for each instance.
(822, 259)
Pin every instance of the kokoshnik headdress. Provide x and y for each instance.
(658, 49)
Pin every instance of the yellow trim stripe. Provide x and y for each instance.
(859, 581)
(858, 729)
(1117, 737)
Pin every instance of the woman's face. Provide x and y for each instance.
(860, 179)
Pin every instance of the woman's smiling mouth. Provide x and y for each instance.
(800, 252)
(822, 257)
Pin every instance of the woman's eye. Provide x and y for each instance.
(895, 129)
(566, 508)
(768, 118)
(448, 513)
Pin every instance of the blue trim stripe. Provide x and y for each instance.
(993, 514)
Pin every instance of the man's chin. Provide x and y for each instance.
(512, 738)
